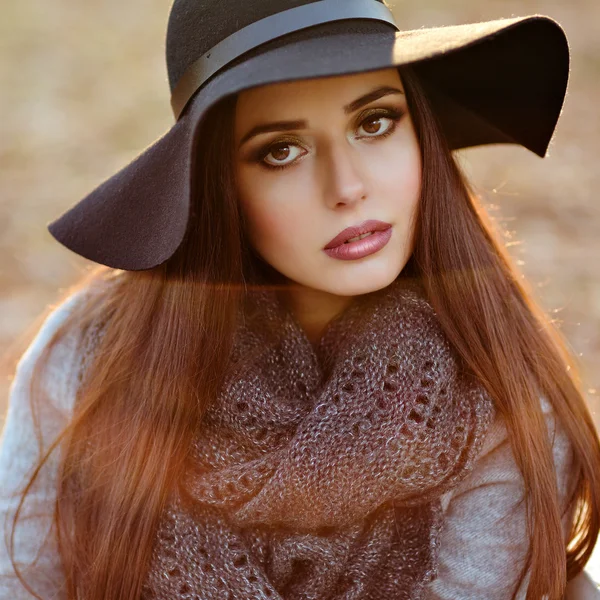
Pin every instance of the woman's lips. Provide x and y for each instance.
(361, 248)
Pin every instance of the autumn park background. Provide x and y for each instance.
(83, 90)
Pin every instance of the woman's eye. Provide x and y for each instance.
(372, 123)
(373, 126)
(285, 153)
(281, 152)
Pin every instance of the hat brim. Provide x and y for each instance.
(494, 82)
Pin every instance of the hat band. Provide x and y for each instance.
(268, 29)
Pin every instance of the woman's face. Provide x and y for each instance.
(314, 157)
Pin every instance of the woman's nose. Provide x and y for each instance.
(343, 175)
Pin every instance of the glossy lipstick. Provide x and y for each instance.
(340, 248)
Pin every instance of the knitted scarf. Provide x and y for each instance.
(318, 471)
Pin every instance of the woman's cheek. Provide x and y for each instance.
(407, 181)
(270, 225)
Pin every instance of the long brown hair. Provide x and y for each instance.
(168, 335)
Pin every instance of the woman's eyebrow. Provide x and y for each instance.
(373, 95)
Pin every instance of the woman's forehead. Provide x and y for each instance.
(306, 87)
(291, 99)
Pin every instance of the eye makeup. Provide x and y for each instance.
(394, 114)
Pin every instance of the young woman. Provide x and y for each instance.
(306, 367)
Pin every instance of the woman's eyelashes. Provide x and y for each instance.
(371, 123)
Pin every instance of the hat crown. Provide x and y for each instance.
(196, 26)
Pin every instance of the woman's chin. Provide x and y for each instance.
(362, 280)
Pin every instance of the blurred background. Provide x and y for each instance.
(83, 90)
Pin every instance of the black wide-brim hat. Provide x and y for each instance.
(500, 81)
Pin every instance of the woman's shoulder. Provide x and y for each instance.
(59, 377)
(497, 435)
(496, 462)
(485, 517)
(63, 354)
(56, 315)
(29, 430)
(67, 352)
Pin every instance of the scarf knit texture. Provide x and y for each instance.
(317, 472)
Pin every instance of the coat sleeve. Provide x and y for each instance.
(19, 452)
(484, 540)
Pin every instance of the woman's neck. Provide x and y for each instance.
(314, 309)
